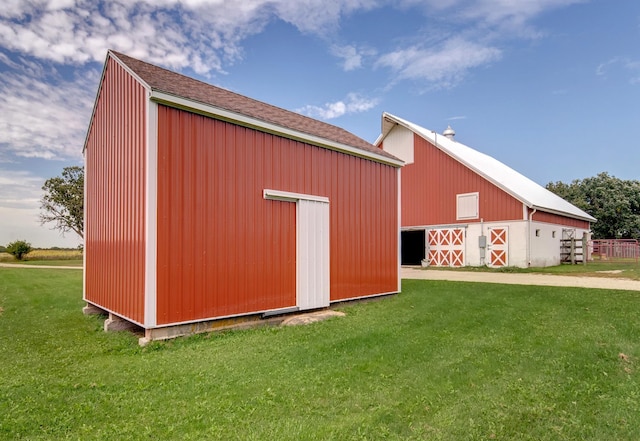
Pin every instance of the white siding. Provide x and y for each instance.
(545, 249)
(516, 248)
(399, 142)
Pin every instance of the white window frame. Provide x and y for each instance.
(464, 206)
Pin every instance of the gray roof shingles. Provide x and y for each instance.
(163, 80)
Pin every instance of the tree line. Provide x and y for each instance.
(614, 202)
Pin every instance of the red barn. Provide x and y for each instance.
(461, 207)
(204, 205)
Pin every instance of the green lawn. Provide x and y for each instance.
(442, 361)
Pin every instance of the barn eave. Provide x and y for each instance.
(178, 102)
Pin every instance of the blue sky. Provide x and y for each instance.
(549, 87)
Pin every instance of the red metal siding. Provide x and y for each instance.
(115, 218)
(550, 218)
(431, 183)
(223, 249)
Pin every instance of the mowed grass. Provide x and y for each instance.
(441, 361)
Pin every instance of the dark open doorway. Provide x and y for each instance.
(413, 246)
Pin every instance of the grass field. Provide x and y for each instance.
(442, 361)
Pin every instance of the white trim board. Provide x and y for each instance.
(287, 196)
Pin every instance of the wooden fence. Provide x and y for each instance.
(574, 250)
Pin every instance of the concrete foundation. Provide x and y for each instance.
(93, 310)
(115, 323)
(243, 322)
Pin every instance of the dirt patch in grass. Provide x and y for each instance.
(305, 319)
(625, 360)
(1, 310)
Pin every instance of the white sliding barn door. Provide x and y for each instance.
(312, 247)
(313, 254)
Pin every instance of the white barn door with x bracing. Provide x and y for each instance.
(446, 247)
(498, 247)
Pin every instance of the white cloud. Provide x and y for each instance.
(471, 34)
(602, 68)
(442, 66)
(506, 15)
(19, 204)
(24, 224)
(200, 34)
(319, 16)
(19, 189)
(352, 59)
(630, 68)
(174, 35)
(206, 35)
(509, 13)
(354, 103)
(352, 56)
(44, 117)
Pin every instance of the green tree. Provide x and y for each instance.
(614, 202)
(63, 201)
(19, 249)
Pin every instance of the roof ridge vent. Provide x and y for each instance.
(449, 132)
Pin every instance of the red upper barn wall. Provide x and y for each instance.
(431, 183)
(550, 218)
(115, 194)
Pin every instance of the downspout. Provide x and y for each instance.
(529, 236)
(482, 251)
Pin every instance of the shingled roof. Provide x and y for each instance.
(158, 79)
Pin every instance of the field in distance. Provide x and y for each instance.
(54, 256)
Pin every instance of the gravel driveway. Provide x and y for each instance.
(521, 279)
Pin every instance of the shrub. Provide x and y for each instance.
(19, 248)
